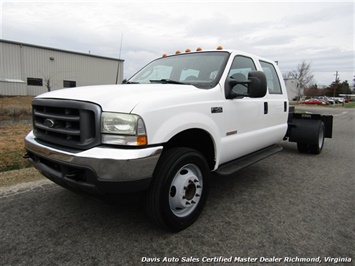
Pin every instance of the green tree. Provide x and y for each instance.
(338, 87)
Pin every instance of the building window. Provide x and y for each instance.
(34, 82)
(69, 84)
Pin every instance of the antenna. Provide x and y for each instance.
(119, 57)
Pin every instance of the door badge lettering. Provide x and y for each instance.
(215, 110)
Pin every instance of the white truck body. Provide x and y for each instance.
(215, 119)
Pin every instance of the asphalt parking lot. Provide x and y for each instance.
(289, 209)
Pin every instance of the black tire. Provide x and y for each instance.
(317, 139)
(302, 147)
(179, 189)
(317, 148)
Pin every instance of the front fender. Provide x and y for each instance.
(166, 127)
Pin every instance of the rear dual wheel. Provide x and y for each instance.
(317, 147)
(179, 189)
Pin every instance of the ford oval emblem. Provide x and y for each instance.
(49, 123)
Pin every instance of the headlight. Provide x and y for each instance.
(123, 129)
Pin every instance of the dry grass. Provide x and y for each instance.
(12, 147)
(14, 177)
(15, 106)
(12, 134)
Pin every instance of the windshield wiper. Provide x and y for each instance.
(125, 81)
(167, 81)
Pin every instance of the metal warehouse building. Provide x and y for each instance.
(27, 69)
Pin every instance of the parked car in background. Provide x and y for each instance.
(330, 100)
(316, 101)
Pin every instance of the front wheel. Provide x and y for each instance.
(179, 189)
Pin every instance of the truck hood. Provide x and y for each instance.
(124, 98)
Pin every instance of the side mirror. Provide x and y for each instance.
(254, 87)
(258, 85)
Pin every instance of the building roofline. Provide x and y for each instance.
(59, 50)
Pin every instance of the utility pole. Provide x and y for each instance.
(336, 82)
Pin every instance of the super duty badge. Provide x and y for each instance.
(215, 110)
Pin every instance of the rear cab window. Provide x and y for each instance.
(273, 82)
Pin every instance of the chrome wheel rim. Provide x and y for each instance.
(185, 190)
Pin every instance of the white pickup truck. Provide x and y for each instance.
(164, 131)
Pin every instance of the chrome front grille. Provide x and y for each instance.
(67, 123)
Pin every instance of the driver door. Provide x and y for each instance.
(244, 116)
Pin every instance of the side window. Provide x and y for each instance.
(273, 82)
(240, 69)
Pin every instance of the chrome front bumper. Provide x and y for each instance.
(96, 166)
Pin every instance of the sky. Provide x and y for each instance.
(319, 32)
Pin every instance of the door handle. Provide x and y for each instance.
(266, 108)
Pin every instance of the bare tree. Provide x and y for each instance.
(303, 75)
(48, 80)
(47, 83)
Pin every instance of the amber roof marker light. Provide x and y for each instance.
(198, 49)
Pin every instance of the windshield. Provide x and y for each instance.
(202, 69)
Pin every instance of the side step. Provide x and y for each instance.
(240, 163)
